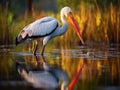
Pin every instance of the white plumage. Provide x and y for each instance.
(47, 27)
(47, 78)
(41, 27)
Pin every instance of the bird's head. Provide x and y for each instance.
(67, 12)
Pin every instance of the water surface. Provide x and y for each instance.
(100, 72)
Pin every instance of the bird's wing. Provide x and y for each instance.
(41, 27)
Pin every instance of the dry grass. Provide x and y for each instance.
(96, 25)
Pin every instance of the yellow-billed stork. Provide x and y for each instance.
(48, 27)
(45, 77)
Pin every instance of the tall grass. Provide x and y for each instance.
(96, 24)
(100, 25)
(6, 18)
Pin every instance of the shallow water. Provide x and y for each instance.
(101, 70)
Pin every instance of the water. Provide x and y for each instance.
(101, 70)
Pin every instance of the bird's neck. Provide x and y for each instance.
(64, 27)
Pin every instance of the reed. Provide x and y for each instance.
(4, 26)
(96, 24)
(100, 25)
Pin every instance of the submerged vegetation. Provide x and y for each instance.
(97, 24)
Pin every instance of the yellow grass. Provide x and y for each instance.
(96, 25)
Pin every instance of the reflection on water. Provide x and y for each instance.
(100, 72)
(43, 76)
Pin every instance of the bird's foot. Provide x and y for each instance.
(34, 53)
(42, 54)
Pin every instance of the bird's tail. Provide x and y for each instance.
(21, 68)
(21, 37)
(16, 41)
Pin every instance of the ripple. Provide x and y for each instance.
(94, 54)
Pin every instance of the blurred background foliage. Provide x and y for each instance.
(99, 20)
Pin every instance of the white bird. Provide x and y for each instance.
(46, 78)
(48, 27)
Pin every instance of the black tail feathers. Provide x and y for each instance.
(19, 39)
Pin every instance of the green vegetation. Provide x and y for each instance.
(98, 20)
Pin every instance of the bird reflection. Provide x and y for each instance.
(44, 76)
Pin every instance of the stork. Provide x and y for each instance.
(48, 28)
(45, 77)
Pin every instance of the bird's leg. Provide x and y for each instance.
(43, 48)
(36, 46)
(45, 41)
